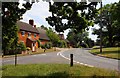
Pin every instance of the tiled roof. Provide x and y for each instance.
(26, 27)
(42, 34)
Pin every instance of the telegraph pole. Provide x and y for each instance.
(101, 27)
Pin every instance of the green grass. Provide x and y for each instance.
(55, 70)
(112, 52)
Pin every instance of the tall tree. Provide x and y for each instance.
(79, 15)
(110, 28)
(11, 13)
(54, 38)
(115, 17)
(79, 39)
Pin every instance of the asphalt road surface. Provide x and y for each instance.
(80, 56)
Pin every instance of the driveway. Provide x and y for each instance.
(81, 56)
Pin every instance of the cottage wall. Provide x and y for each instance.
(24, 39)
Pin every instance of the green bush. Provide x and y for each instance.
(62, 44)
(21, 46)
(38, 43)
(48, 45)
(43, 46)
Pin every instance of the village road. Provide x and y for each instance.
(80, 56)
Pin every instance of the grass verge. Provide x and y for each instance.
(55, 70)
(39, 51)
(111, 52)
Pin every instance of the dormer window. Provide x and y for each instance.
(29, 34)
(23, 33)
(35, 35)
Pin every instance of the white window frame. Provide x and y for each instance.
(35, 35)
(23, 33)
(29, 34)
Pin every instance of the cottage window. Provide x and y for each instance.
(35, 35)
(29, 34)
(23, 33)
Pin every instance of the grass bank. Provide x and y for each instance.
(39, 51)
(55, 70)
(111, 52)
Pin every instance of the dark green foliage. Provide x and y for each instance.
(22, 46)
(78, 39)
(11, 13)
(85, 45)
(62, 44)
(48, 45)
(38, 43)
(75, 13)
(43, 46)
(43, 27)
(110, 25)
(54, 38)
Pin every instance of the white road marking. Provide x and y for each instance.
(34, 55)
(78, 62)
(40, 54)
(60, 53)
(43, 54)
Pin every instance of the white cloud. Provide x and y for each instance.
(38, 13)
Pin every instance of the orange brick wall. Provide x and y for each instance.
(43, 41)
(24, 38)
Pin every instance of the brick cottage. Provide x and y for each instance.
(28, 34)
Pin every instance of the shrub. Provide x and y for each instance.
(62, 44)
(43, 46)
(38, 43)
(48, 45)
(22, 46)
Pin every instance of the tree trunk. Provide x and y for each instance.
(110, 35)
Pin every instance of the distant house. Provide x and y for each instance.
(61, 36)
(28, 34)
(43, 36)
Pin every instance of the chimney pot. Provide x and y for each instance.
(35, 26)
(31, 22)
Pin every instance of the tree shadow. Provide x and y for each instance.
(59, 75)
(51, 75)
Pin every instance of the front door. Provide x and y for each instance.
(33, 46)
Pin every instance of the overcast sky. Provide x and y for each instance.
(40, 11)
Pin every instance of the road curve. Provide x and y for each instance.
(82, 56)
(52, 57)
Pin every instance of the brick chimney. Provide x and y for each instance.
(61, 36)
(31, 22)
(35, 26)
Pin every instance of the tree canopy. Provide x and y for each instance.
(78, 15)
(79, 39)
(11, 13)
(110, 25)
(54, 38)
